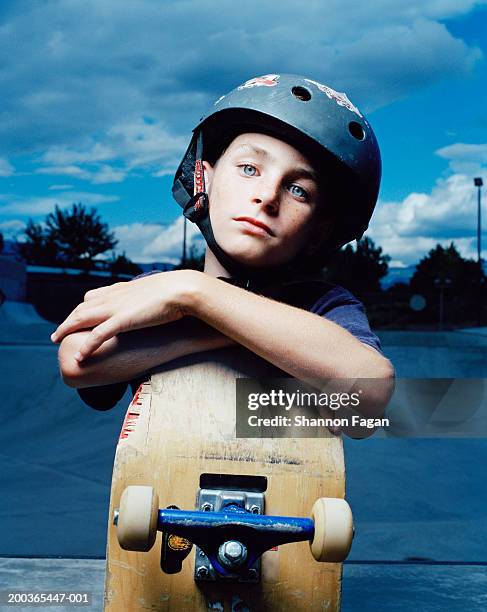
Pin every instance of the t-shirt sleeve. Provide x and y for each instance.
(344, 309)
(103, 397)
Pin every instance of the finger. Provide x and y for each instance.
(98, 335)
(98, 292)
(80, 318)
(89, 295)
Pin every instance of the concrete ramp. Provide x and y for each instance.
(448, 354)
(20, 324)
(19, 313)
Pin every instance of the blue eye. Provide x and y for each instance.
(249, 167)
(298, 191)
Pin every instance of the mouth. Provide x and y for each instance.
(255, 226)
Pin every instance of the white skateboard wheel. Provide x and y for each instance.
(333, 529)
(137, 518)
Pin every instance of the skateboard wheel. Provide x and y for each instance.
(333, 529)
(137, 519)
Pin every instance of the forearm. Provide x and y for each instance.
(131, 354)
(305, 345)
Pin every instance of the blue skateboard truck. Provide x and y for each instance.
(229, 531)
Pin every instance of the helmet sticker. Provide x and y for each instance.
(268, 80)
(339, 97)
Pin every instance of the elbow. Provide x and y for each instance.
(386, 370)
(388, 382)
(71, 372)
(378, 385)
(375, 365)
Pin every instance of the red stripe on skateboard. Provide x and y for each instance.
(132, 415)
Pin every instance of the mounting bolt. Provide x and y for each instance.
(255, 509)
(252, 573)
(202, 572)
(115, 516)
(232, 553)
(207, 507)
(201, 554)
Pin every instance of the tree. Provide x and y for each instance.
(454, 287)
(445, 266)
(359, 270)
(123, 265)
(1, 242)
(39, 248)
(71, 237)
(195, 260)
(79, 235)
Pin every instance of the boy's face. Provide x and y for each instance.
(263, 197)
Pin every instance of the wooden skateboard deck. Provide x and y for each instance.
(181, 425)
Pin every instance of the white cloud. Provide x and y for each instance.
(133, 145)
(60, 187)
(408, 229)
(12, 228)
(74, 171)
(6, 168)
(75, 98)
(466, 152)
(101, 174)
(107, 174)
(465, 158)
(151, 242)
(34, 206)
(64, 156)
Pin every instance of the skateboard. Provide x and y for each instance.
(202, 520)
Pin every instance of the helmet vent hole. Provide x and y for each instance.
(301, 93)
(356, 130)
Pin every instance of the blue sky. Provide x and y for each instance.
(99, 99)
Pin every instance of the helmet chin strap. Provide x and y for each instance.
(197, 210)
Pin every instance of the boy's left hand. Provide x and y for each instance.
(144, 302)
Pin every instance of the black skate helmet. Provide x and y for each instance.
(317, 120)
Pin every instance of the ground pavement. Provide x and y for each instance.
(419, 504)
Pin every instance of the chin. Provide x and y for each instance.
(255, 260)
(250, 252)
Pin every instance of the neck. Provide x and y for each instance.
(212, 266)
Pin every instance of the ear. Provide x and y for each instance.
(209, 171)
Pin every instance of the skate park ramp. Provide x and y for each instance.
(414, 500)
(20, 323)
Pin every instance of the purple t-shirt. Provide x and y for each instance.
(317, 296)
(334, 303)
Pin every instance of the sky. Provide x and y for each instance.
(99, 97)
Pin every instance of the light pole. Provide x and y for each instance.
(442, 284)
(478, 182)
(183, 262)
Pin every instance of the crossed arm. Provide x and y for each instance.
(121, 331)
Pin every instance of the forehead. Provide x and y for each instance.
(270, 148)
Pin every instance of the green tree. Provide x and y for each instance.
(70, 237)
(122, 265)
(360, 269)
(195, 260)
(446, 266)
(79, 234)
(39, 247)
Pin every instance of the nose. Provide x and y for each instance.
(267, 197)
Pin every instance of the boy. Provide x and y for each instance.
(280, 174)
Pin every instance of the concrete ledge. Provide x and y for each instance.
(368, 587)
